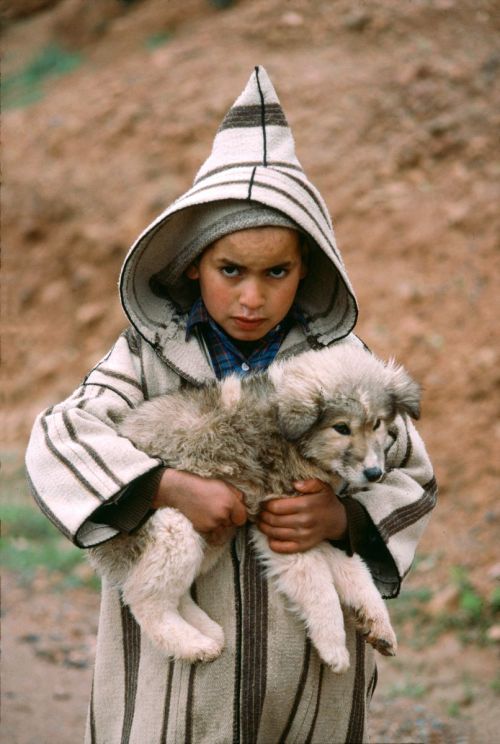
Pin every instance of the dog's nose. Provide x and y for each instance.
(372, 474)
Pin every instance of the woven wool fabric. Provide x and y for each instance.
(269, 685)
(252, 161)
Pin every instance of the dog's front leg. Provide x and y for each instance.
(305, 580)
(357, 591)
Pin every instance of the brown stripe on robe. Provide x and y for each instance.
(255, 632)
(408, 515)
(254, 116)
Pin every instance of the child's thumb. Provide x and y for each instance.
(238, 514)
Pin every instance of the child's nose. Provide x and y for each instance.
(252, 296)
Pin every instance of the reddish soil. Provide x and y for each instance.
(395, 111)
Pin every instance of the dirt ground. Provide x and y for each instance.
(395, 110)
(434, 695)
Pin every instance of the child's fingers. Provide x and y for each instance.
(282, 534)
(281, 506)
(291, 520)
(238, 514)
(313, 485)
(286, 547)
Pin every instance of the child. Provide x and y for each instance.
(239, 270)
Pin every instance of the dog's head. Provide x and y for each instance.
(337, 405)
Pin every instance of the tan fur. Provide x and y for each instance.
(261, 434)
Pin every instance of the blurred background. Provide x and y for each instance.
(108, 109)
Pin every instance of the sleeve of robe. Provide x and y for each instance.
(398, 508)
(76, 462)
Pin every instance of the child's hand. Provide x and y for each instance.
(213, 506)
(293, 525)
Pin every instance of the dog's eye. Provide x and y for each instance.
(342, 429)
(376, 424)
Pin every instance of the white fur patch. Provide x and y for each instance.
(230, 392)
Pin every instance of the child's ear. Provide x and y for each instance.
(192, 271)
(303, 270)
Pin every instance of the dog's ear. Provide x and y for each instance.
(296, 417)
(298, 396)
(404, 391)
(298, 411)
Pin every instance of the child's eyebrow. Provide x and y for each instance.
(229, 261)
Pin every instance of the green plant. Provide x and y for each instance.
(408, 688)
(410, 604)
(454, 709)
(158, 39)
(31, 545)
(495, 599)
(495, 684)
(470, 617)
(474, 614)
(25, 87)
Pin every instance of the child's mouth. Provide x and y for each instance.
(248, 322)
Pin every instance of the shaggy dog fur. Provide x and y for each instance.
(319, 414)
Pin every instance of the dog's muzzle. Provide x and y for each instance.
(373, 474)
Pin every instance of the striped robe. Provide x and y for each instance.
(269, 685)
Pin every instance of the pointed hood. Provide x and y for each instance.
(252, 177)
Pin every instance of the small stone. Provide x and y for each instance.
(493, 633)
(444, 601)
(357, 21)
(30, 638)
(457, 214)
(53, 291)
(90, 313)
(494, 572)
(61, 694)
(293, 20)
(76, 659)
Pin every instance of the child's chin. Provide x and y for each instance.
(247, 336)
(243, 332)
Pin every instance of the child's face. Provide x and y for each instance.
(248, 279)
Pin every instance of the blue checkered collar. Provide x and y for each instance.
(226, 355)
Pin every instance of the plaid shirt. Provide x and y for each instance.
(225, 355)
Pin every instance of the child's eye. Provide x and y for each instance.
(230, 271)
(277, 272)
(376, 424)
(342, 429)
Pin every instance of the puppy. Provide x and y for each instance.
(319, 415)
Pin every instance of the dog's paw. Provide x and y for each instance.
(215, 632)
(337, 658)
(382, 645)
(206, 650)
(378, 632)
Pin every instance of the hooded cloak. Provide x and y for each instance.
(251, 178)
(269, 685)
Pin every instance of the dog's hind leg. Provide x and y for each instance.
(357, 592)
(191, 612)
(170, 632)
(161, 621)
(194, 615)
(305, 580)
(163, 574)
